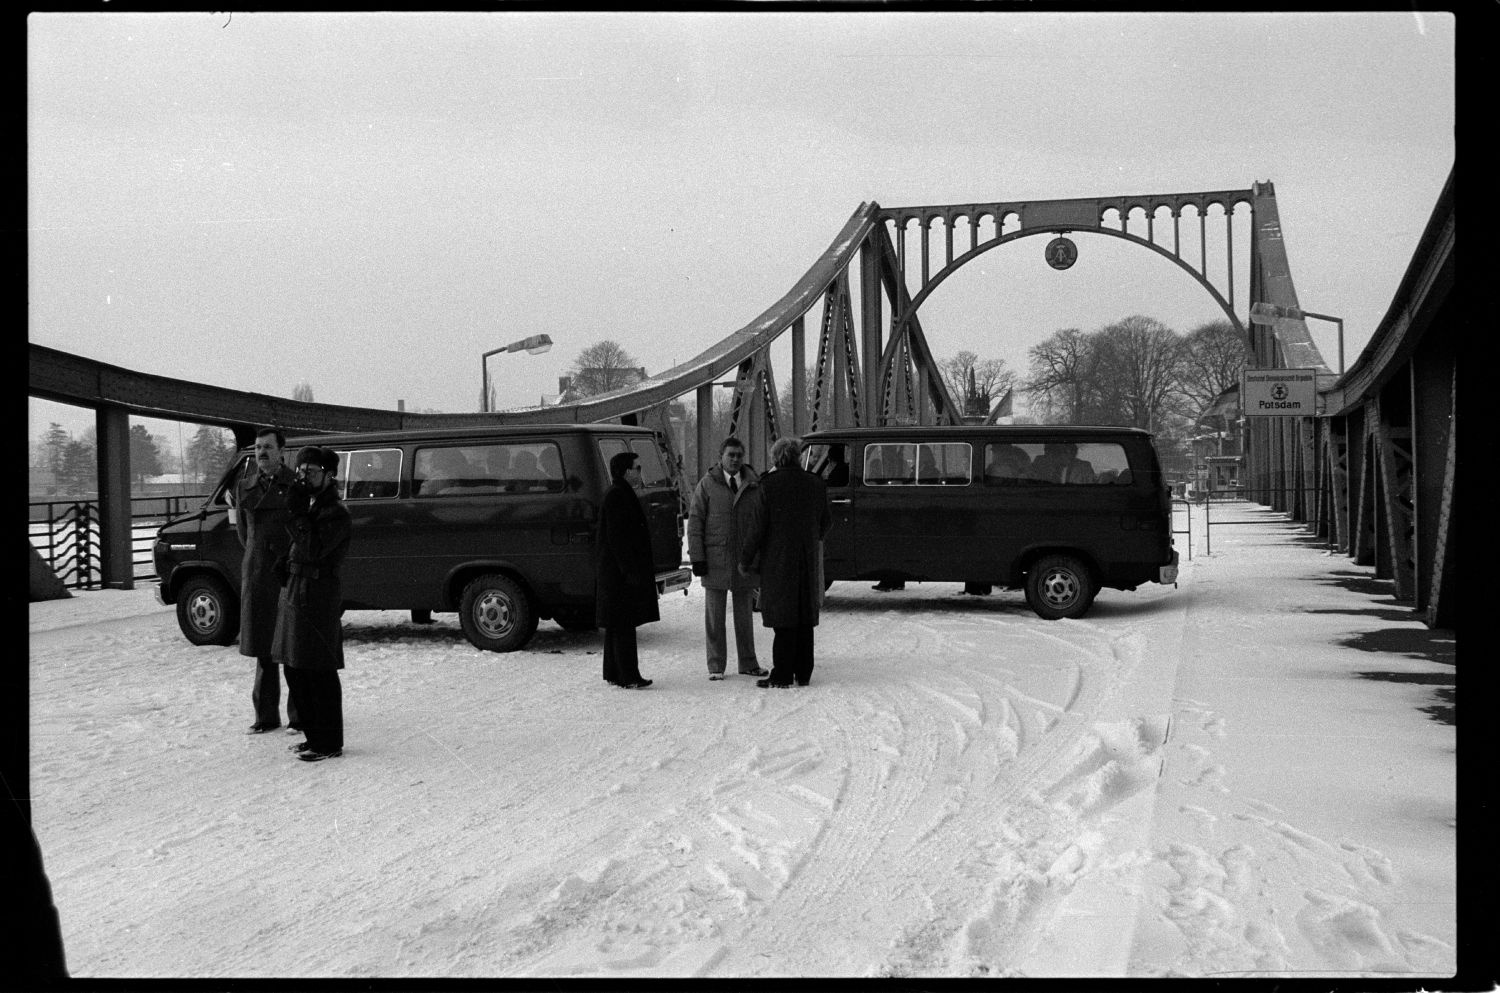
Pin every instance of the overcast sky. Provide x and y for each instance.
(368, 202)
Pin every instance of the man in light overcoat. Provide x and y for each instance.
(722, 504)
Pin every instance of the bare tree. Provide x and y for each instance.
(1061, 384)
(975, 382)
(1139, 370)
(601, 367)
(1213, 361)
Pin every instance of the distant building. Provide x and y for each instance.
(567, 394)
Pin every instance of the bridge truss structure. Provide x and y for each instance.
(870, 362)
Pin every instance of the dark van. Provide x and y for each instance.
(1059, 511)
(496, 523)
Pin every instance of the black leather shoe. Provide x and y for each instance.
(262, 728)
(300, 746)
(801, 682)
(294, 729)
(766, 683)
(311, 756)
(639, 684)
(755, 672)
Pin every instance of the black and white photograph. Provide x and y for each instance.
(1058, 405)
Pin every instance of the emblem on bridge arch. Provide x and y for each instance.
(1061, 253)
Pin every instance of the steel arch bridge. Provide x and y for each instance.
(870, 362)
(867, 369)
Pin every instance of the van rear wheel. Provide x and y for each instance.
(496, 614)
(1059, 586)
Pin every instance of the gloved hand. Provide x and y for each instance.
(700, 568)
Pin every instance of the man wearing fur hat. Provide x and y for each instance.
(260, 499)
(309, 638)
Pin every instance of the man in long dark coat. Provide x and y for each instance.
(625, 584)
(260, 499)
(786, 536)
(309, 638)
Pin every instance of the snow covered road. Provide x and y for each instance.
(1187, 782)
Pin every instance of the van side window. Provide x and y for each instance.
(925, 464)
(648, 456)
(1056, 463)
(1111, 467)
(529, 468)
(1007, 465)
(485, 470)
(890, 464)
(943, 464)
(371, 473)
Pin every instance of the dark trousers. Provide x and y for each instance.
(792, 655)
(321, 696)
(266, 694)
(620, 662)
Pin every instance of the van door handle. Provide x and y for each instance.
(840, 503)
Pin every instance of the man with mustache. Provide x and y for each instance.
(260, 499)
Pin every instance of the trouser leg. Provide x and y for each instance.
(627, 662)
(713, 627)
(331, 709)
(620, 662)
(266, 693)
(611, 668)
(744, 630)
(804, 667)
(783, 655)
(297, 683)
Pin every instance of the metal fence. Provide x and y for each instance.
(1246, 505)
(67, 534)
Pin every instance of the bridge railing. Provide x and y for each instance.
(67, 535)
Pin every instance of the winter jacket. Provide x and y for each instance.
(625, 574)
(260, 521)
(786, 535)
(716, 521)
(309, 634)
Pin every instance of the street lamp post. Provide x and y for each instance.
(534, 345)
(1275, 317)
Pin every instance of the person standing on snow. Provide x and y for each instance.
(722, 503)
(625, 578)
(309, 637)
(260, 499)
(786, 537)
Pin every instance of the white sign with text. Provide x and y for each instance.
(1280, 392)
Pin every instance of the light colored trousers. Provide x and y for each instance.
(744, 628)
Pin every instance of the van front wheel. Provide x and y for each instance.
(208, 612)
(1059, 586)
(496, 614)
